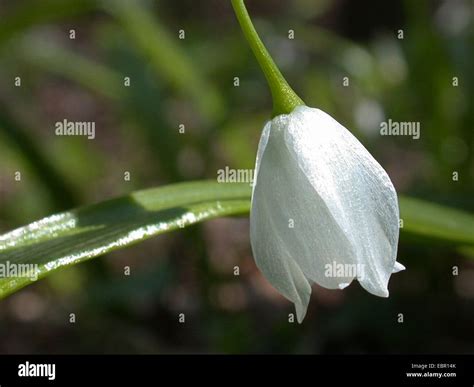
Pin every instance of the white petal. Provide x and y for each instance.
(344, 285)
(356, 189)
(281, 252)
(271, 256)
(262, 144)
(293, 218)
(398, 267)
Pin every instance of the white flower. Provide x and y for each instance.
(322, 206)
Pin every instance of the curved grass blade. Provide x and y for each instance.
(75, 236)
(437, 222)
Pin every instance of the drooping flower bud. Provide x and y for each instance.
(323, 209)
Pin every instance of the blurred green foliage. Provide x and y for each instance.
(191, 82)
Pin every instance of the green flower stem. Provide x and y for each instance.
(284, 98)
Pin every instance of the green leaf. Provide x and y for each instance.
(436, 221)
(75, 236)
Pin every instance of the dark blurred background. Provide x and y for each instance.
(191, 82)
